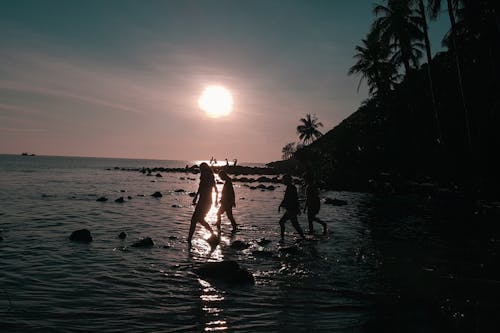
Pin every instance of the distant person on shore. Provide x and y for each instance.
(207, 182)
(312, 203)
(227, 201)
(292, 208)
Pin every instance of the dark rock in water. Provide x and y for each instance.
(335, 202)
(239, 245)
(270, 188)
(182, 178)
(102, 199)
(145, 242)
(120, 200)
(123, 191)
(261, 186)
(225, 271)
(263, 241)
(157, 195)
(159, 175)
(82, 235)
(192, 194)
(140, 195)
(129, 197)
(179, 190)
(172, 237)
(122, 235)
(176, 206)
(253, 187)
(166, 246)
(1, 238)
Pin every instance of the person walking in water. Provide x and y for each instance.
(207, 182)
(292, 208)
(312, 203)
(227, 201)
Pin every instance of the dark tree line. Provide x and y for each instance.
(426, 117)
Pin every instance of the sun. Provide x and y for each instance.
(216, 101)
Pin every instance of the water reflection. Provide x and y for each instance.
(211, 303)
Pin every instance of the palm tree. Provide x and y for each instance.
(288, 150)
(372, 62)
(425, 30)
(308, 131)
(399, 26)
(435, 9)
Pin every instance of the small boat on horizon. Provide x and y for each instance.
(26, 154)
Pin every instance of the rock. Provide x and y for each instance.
(122, 235)
(253, 187)
(1, 238)
(123, 191)
(120, 200)
(270, 188)
(176, 206)
(129, 197)
(172, 237)
(157, 195)
(166, 246)
(239, 245)
(225, 271)
(263, 242)
(82, 235)
(179, 190)
(158, 175)
(182, 178)
(192, 194)
(145, 242)
(140, 195)
(335, 202)
(102, 199)
(261, 186)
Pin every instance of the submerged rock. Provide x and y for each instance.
(192, 194)
(263, 241)
(122, 235)
(82, 235)
(239, 245)
(179, 190)
(176, 206)
(225, 271)
(157, 195)
(335, 202)
(159, 175)
(145, 242)
(102, 199)
(120, 200)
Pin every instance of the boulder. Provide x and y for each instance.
(176, 206)
(335, 202)
(239, 245)
(122, 235)
(159, 175)
(192, 194)
(172, 237)
(179, 190)
(226, 272)
(145, 242)
(270, 188)
(157, 195)
(120, 200)
(82, 235)
(102, 199)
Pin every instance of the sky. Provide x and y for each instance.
(122, 78)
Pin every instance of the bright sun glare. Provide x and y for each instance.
(216, 101)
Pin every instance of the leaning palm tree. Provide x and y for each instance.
(435, 9)
(373, 65)
(425, 30)
(398, 24)
(308, 130)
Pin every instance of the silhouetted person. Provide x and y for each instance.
(312, 203)
(227, 162)
(227, 201)
(207, 182)
(235, 162)
(292, 208)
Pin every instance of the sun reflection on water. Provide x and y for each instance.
(211, 299)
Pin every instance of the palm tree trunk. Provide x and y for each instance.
(459, 72)
(429, 71)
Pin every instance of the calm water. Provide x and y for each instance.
(359, 278)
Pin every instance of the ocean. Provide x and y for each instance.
(333, 283)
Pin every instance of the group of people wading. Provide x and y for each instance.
(203, 202)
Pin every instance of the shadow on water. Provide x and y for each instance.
(438, 264)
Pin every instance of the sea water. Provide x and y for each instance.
(328, 283)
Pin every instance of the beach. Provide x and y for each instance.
(359, 277)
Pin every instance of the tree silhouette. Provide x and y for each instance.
(399, 27)
(373, 65)
(308, 131)
(288, 150)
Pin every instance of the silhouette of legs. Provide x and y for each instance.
(229, 213)
(295, 223)
(312, 218)
(197, 218)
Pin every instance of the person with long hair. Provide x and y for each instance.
(207, 182)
